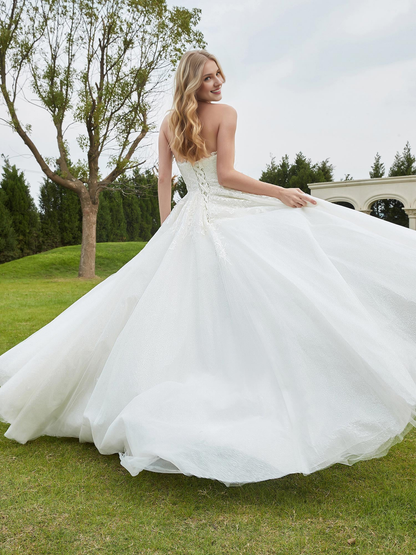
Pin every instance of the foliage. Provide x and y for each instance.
(144, 185)
(130, 210)
(298, 174)
(377, 169)
(60, 216)
(404, 163)
(178, 189)
(21, 214)
(8, 240)
(102, 64)
(392, 209)
(133, 216)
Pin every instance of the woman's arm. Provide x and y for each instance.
(231, 178)
(164, 184)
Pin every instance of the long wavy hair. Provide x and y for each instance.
(184, 122)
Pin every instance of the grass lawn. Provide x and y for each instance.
(58, 496)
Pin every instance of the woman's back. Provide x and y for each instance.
(210, 116)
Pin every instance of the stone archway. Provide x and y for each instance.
(364, 192)
(344, 203)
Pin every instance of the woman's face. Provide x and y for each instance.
(210, 89)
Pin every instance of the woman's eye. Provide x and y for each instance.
(210, 77)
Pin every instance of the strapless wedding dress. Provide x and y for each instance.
(246, 341)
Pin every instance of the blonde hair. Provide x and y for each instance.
(184, 122)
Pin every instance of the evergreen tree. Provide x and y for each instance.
(60, 216)
(8, 240)
(49, 215)
(131, 211)
(70, 218)
(404, 164)
(377, 169)
(118, 230)
(298, 174)
(324, 172)
(103, 219)
(178, 188)
(111, 222)
(145, 184)
(392, 209)
(132, 216)
(22, 209)
(277, 174)
(379, 208)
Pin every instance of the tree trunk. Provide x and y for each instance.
(89, 235)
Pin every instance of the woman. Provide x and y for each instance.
(198, 126)
(246, 341)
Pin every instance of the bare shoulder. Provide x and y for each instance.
(164, 125)
(227, 110)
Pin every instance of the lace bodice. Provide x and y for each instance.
(207, 203)
(202, 175)
(201, 180)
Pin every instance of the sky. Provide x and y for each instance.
(334, 79)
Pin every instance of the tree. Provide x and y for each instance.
(22, 209)
(404, 164)
(8, 240)
(298, 174)
(103, 219)
(145, 184)
(277, 174)
(347, 177)
(377, 169)
(392, 209)
(118, 222)
(380, 207)
(179, 188)
(60, 216)
(132, 216)
(100, 63)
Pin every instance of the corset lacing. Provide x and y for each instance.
(204, 188)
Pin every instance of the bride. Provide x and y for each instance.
(246, 341)
(198, 126)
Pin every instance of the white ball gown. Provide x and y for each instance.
(246, 341)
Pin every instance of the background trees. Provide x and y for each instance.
(297, 174)
(100, 63)
(391, 209)
(129, 211)
(20, 225)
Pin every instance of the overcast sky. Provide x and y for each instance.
(331, 78)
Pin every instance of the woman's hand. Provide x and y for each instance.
(295, 197)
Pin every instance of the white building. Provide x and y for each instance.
(361, 193)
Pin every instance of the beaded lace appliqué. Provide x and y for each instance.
(200, 190)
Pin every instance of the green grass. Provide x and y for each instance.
(35, 289)
(58, 496)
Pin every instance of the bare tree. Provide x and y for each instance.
(100, 63)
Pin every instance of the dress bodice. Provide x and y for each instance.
(213, 199)
(200, 176)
